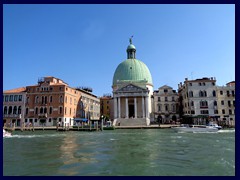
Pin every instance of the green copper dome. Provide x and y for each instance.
(132, 70)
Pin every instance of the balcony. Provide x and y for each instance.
(42, 115)
(203, 106)
(12, 115)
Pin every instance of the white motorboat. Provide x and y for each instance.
(6, 134)
(214, 125)
(195, 128)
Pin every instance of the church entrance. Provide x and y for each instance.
(131, 110)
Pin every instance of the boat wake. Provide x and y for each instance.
(35, 136)
(226, 130)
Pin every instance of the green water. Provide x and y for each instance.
(138, 152)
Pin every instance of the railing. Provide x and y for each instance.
(12, 116)
(42, 115)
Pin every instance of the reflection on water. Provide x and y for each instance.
(120, 152)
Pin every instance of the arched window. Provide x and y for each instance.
(45, 99)
(173, 108)
(36, 110)
(60, 110)
(41, 110)
(203, 103)
(192, 103)
(214, 93)
(215, 103)
(61, 99)
(190, 94)
(26, 110)
(10, 110)
(45, 110)
(200, 94)
(42, 99)
(15, 110)
(50, 110)
(166, 107)
(36, 99)
(5, 110)
(205, 93)
(50, 99)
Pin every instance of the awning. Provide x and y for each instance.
(81, 119)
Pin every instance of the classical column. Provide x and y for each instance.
(135, 106)
(143, 107)
(126, 100)
(147, 113)
(119, 108)
(115, 108)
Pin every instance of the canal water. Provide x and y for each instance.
(133, 152)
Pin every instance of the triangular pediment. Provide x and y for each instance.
(131, 88)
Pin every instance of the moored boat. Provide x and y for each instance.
(6, 133)
(108, 126)
(195, 128)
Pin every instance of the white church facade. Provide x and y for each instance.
(132, 91)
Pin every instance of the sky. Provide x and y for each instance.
(83, 44)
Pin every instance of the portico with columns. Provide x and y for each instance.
(131, 104)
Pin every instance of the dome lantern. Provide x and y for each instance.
(131, 50)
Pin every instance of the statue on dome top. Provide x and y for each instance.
(130, 39)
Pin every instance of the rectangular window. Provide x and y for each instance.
(166, 99)
(15, 97)
(222, 102)
(6, 98)
(223, 111)
(165, 90)
(159, 99)
(221, 92)
(20, 98)
(229, 103)
(11, 98)
(204, 111)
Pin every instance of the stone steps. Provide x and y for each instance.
(130, 122)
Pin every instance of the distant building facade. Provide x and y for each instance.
(89, 105)
(226, 103)
(14, 106)
(198, 99)
(165, 104)
(105, 105)
(48, 103)
(203, 101)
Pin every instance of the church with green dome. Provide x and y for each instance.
(132, 90)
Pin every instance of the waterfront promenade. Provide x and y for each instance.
(162, 126)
